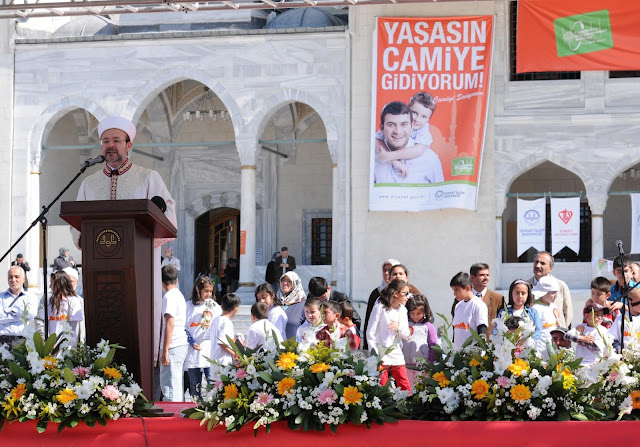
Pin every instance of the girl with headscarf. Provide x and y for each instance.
(63, 260)
(293, 297)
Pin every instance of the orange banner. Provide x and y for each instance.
(431, 88)
(577, 35)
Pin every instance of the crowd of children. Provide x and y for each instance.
(399, 328)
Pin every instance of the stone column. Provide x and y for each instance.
(335, 234)
(496, 269)
(597, 237)
(248, 225)
(7, 70)
(32, 255)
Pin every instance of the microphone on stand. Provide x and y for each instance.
(94, 161)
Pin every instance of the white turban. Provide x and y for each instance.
(117, 122)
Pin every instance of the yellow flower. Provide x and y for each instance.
(635, 398)
(230, 391)
(479, 389)
(287, 360)
(474, 362)
(319, 368)
(18, 391)
(352, 395)
(66, 396)
(10, 407)
(441, 378)
(49, 362)
(520, 393)
(518, 367)
(113, 373)
(285, 385)
(568, 379)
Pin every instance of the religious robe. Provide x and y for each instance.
(133, 182)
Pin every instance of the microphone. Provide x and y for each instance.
(160, 203)
(94, 161)
(620, 249)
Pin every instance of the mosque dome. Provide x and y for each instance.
(304, 18)
(87, 26)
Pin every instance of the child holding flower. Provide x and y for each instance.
(388, 325)
(201, 310)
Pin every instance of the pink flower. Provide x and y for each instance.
(327, 397)
(218, 384)
(111, 392)
(264, 398)
(81, 371)
(241, 373)
(503, 381)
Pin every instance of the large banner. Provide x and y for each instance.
(431, 81)
(577, 35)
(565, 224)
(532, 221)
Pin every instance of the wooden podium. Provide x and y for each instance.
(118, 276)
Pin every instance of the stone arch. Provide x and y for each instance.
(210, 201)
(48, 118)
(287, 96)
(514, 170)
(168, 76)
(615, 168)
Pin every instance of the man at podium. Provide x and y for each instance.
(121, 180)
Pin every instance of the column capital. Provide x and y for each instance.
(247, 150)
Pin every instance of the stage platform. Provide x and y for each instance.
(180, 432)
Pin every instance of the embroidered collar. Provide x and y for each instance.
(124, 167)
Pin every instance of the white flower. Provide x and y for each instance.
(534, 412)
(229, 420)
(543, 384)
(626, 406)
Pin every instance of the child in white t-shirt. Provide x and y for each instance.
(470, 312)
(593, 341)
(307, 331)
(222, 330)
(201, 310)
(261, 328)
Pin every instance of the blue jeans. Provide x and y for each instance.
(171, 376)
(195, 380)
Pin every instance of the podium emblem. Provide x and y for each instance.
(108, 242)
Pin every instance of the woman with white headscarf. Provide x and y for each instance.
(293, 297)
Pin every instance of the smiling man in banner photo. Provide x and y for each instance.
(402, 144)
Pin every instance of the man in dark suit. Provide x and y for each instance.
(284, 262)
(479, 273)
(320, 288)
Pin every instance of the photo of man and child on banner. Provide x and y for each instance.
(430, 99)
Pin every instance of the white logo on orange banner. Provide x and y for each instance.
(565, 224)
(531, 224)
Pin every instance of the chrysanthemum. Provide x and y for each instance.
(113, 373)
(49, 362)
(441, 378)
(479, 389)
(18, 391)
(285, 385)
(230, 391)
(635, 399)
(520, 393)
(518, 367)
(319, 368)
(352, 395)
(287, 360)
(65, 396)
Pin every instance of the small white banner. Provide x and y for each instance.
(531, 224)
(635, 223)
(565, 224)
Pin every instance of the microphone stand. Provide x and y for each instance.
(43, 220)
(625, 299)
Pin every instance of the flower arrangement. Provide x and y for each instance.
(48, 381)
(504, 380)
(308, 385)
